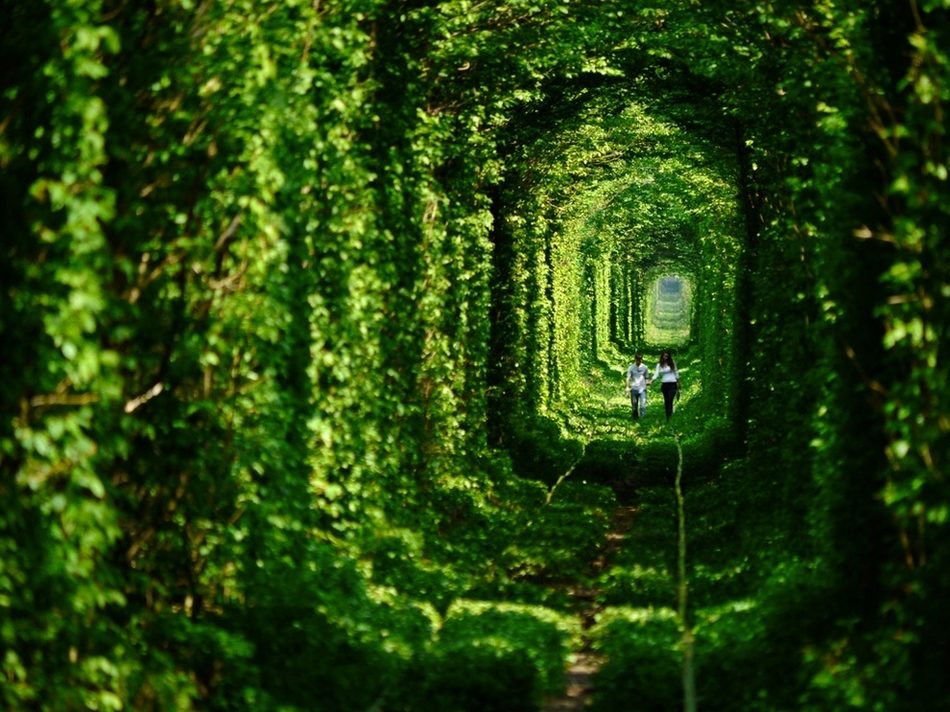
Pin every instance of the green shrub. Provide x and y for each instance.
(496, 656)
(562, 538)
(655, 463)
(397, 561)
(607, 462)
(644, 663)
(706, 448)
(637, 585)
(749, 651)
(539, 450)
(324, 639)
(588, 494)
(730, 641)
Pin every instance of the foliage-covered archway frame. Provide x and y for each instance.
(641, 182)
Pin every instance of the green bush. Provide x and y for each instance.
(651, 541)
(644, 663)
(607, 462)
(324, 639)
(636, 585)
(563, 537)
(398, 562)
(655, 463)
(730, 654)
(705, 449)
(539, 450)
(496, 656)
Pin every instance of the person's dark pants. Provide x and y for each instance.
(669, 391)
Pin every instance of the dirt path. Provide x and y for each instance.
(579, 691)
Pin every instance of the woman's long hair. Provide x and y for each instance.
(667, 357)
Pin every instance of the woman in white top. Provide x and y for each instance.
(669, 380)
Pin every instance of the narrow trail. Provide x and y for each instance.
(579, 689)
(580, 675)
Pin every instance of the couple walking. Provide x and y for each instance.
(638, 379)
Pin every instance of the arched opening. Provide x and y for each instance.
(641, 254)
(667, 306)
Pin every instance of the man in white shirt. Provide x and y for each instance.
(637, 386)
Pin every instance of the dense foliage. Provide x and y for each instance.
(314, 319)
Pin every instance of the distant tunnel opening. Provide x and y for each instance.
(668, 310)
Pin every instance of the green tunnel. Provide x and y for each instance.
(315, 323)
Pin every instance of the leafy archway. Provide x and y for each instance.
(292, 293)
